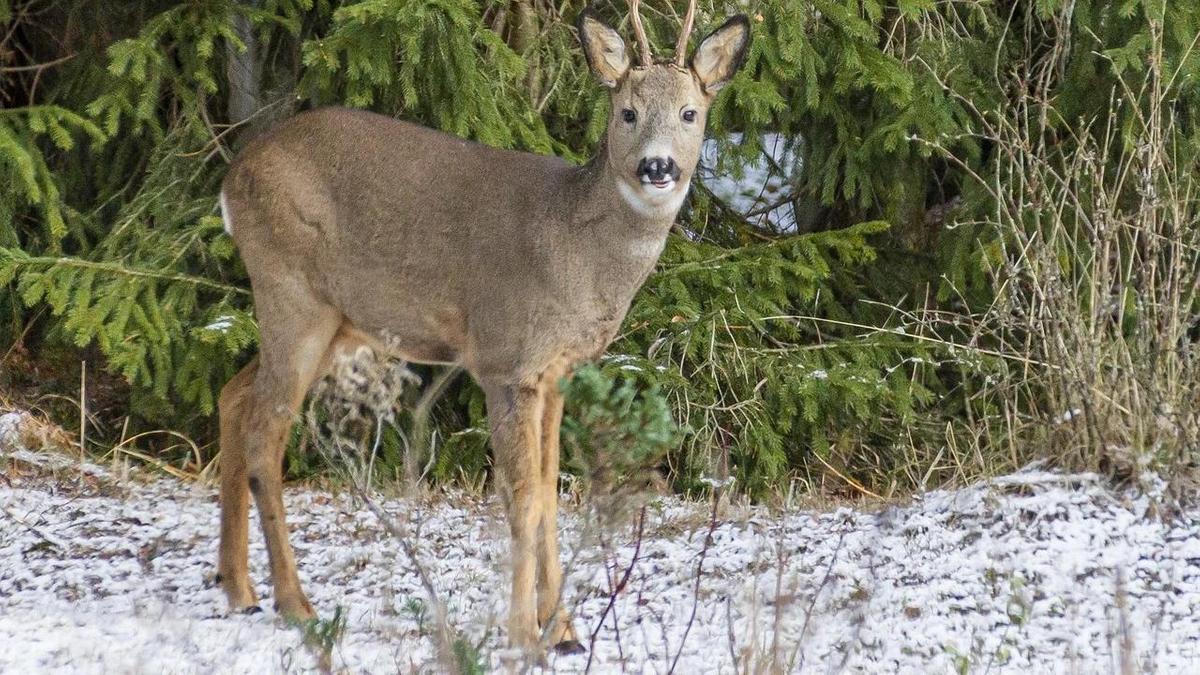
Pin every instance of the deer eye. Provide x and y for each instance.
(689, 116)
(629, 116)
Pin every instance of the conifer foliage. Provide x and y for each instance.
(784, 354)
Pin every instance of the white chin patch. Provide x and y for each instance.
(649, 199)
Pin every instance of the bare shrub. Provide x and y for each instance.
(346, 420)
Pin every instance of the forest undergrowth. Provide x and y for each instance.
(991, 260)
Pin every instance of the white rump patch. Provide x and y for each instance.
(225, 217)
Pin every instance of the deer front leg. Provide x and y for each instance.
(514, 415)
(552, 612)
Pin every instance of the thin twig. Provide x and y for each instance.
(36, 66)
(849, 481)
(82, 408)
(617, 589)
(432, 394)
(708, 538)
(118, 268)
(812, 605)
(44, 536)
(442, 631)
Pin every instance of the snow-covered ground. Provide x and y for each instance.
(1037, 572)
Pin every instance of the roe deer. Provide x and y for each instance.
(357, 229)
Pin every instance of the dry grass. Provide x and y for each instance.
(1097, 271)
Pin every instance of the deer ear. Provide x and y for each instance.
(720, 54)
(604, 49)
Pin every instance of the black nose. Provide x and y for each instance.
(658, 169)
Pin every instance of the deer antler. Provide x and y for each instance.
(640, 33)
(681, 46)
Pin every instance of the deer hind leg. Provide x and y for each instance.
(514, 415)
(552, 612)
(295, 342)
(232, 571)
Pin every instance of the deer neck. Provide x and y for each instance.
(618, 220)
(623, 236)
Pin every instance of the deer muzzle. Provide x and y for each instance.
(659, 172)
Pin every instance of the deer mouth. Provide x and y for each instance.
(664, 184)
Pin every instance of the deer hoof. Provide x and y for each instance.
(238, 591)
(295, 610)
(568, 647)
(252, 609)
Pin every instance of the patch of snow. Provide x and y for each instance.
(717, 483)
(47, 460)
(1035, 572)
(1068, 416)
(10, 429)
(221, 325)
(762, 192)
(626, 362)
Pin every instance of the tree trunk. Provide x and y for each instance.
(244, 70)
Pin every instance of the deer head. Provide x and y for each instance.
(658, 108)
